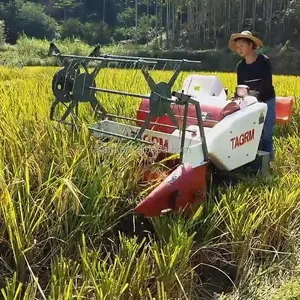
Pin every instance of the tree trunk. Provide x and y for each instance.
(253, 14)
(103, 11)
(136, 21)
(167, 23)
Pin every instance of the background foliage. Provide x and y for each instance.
(197, 24)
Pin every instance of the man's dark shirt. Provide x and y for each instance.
(258, 76)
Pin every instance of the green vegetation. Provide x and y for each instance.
(67, 230)
(34, 52)
(176, 29)
(199, 24)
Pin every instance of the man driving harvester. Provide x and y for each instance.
(255, 71)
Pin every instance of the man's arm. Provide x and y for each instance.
(266, 83)
(266, 74)
(240, 79)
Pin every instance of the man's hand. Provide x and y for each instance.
(254, 93)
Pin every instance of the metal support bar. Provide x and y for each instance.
(183, 130)
(54, 51)
(120, 136)
(149, 79)
(176, 73)
(151, 58)
(119, 92)
(97, 69)
(130, 94)
(170, 83)
(79, 57)
(202, 133)
(184, 99)
(142, 121)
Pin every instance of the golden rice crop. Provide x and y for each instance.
(66, 227)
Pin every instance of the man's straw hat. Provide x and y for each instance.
(245, 35)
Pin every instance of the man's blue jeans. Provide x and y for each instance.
(266, 143)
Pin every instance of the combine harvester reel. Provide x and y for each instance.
(198, 122)
(64, 88)
(71, 86)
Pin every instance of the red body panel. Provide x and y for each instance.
(216, 114)
(185, 186)
(284, 109)
(182, 189)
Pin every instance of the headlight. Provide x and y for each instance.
(242, 91)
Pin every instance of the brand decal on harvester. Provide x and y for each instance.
(163, 143)
(242, 139)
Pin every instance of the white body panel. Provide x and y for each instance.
(169, 143)
(231, 143)
(234, 141)
(203, 86)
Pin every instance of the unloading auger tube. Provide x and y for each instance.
(71, 86)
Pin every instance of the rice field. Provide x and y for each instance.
(67, 230)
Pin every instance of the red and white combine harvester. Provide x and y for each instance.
(198, 122)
